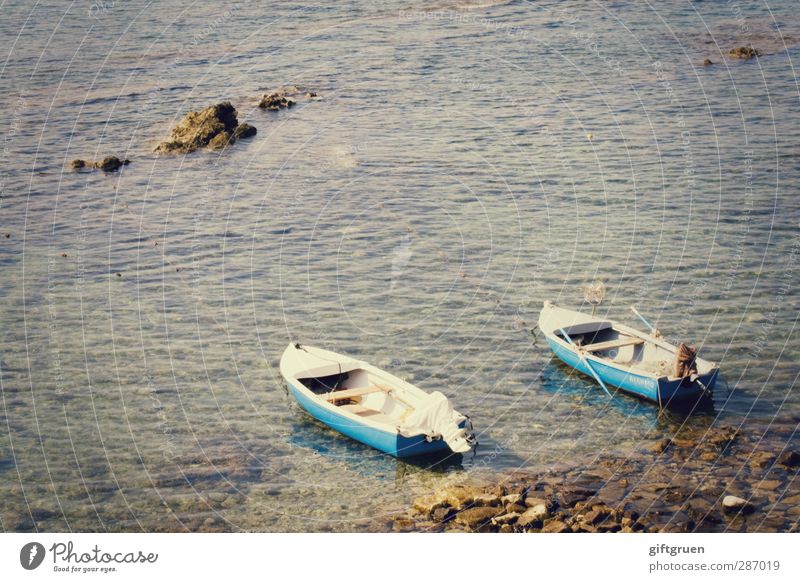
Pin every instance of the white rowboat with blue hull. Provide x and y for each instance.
(373, 406)
(614, 354)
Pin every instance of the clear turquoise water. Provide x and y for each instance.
(416, 215)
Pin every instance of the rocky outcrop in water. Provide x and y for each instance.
(704, 479)
(284, 98)
(107, 164)
(744, 52)
(274, 101)
(214, 127)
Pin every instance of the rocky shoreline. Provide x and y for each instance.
(699, 480)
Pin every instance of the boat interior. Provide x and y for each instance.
(603, 340)
(363, 394)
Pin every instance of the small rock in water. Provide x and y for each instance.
(761, 459)
(486, 500)
(533, 515)
(428, 504)
(512, 499)
(569, 496)
(458, 496)
(684, 443)
(505, 518)
(111, 164)
(244, 130)
(595, 516)
(441, 514)
(516, 508)
(707, 63)
(477, 518)
(768, 484)
(221, 140)
(275, 101)
(534, 501)
(661, 446)
(731, 503)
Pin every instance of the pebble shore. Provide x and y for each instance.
(715, 479)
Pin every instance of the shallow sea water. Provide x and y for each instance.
(462, 164)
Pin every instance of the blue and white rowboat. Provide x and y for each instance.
(614, 354)
(372, 406)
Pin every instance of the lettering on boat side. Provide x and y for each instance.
(640, 381)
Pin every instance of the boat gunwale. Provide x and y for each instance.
(621, 327)
(338, 410)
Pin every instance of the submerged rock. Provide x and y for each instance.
(108, 164)
(768, 484)
(244, 130)
(441, 514)
(731, 504)
(111, 164)
(661, 446)
(486, 500)
(744, 52)
(458, 496)
(531, 501)
(506, 518)
(533, 516)
(512, 499)
(281, 98)
(761, 459)
(640, 492)
(476, 518)
(569, 496)
(214, 127)
(221, 140)
(275, 101)
(789, 459)
(428, 504)
(597, 515)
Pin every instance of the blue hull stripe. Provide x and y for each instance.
(391, 443)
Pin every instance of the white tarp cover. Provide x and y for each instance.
(435, 416)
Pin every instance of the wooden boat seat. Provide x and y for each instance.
(365, 412)
(358, 409)
(350, 393)
(617, 343)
